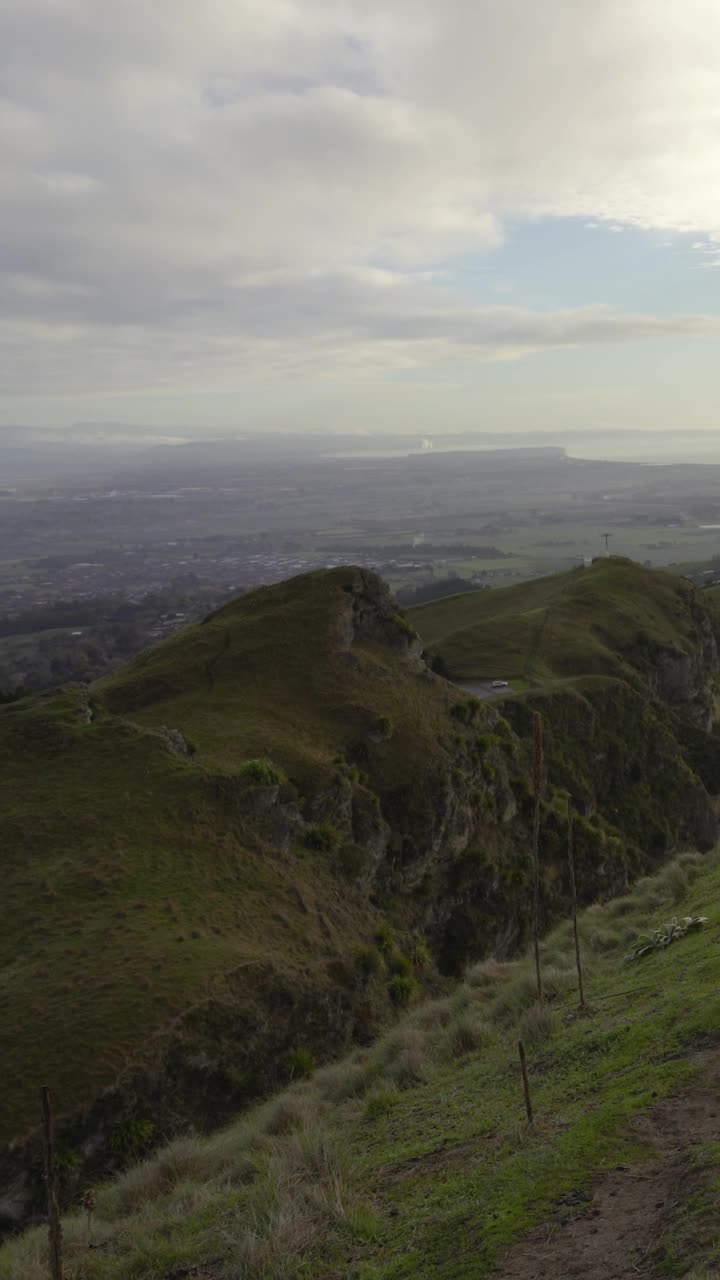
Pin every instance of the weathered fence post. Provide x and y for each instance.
(526, 1082)
(573, 892)
(54, 1227)
(537, 769)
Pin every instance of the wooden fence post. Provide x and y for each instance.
(537, 768)
(54, 1226)
(573, 892)
(526, 1082)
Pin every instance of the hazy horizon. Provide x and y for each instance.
(303, 216)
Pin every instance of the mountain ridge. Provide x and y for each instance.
(177, 897)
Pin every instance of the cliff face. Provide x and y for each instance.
(239, 918)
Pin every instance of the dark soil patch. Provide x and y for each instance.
(613, 1229)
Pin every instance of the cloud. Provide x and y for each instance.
(188, 189)
(318, 325)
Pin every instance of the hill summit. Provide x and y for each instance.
(251, 846)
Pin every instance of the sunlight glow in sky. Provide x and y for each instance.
(360, 214)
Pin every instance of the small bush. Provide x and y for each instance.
(384, 938)
(132, 1138)
(401, 990)
(301, 1064)
(344, 1080)
(380, 1101)
(406, 1044)
(368, 962)
(430, 1016)
(400, 964)
(465, 711)
(538, 1025)
(463, 1035)
(351, 861)
(409, 1069)
(675, 880)
(322, 837)
(290, 1111)
(263, 772)
(487, 974)
(383, 727)
(420, 954)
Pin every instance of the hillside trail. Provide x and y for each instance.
(613, 1229)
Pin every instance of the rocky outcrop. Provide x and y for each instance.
(370, 616)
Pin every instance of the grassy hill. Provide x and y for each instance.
(178, 925)
(252, 846)
(611, 618)
(413, 1159)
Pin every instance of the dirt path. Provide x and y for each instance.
(613, 1229)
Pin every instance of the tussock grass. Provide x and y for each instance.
(283, 1193)
(538, 1025)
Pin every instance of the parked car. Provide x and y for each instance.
(499, 684)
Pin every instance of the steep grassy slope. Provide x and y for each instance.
(413, 1160)
(614, 618)
(297, 671)
(173, 930)
(132, 887)
(181, 932)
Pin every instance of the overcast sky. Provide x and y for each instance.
(231, 214)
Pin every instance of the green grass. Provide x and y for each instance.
(578, 623)
(139, 886)
(268, 676)
(409, 1161)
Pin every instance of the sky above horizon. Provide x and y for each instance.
(354, 215)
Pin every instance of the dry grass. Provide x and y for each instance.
(276, 1183)
(538, 1025)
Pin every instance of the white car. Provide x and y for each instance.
(499, 684)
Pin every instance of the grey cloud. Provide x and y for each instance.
(191, 188)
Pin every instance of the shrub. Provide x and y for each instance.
(380, 1101)
(132, 1138)
(659, 939)
(322, 837)
(301, 1063)
(384, 938)
(351, 861)
(290, 1111)
(430, 1016)
(487, 974)
(409, 1069)
(401, 989)
(538, 1025)
(263, 772)
(465, 711)
(399, 963)
(462, 1036)
(344, 1080)
(383, 727)
(420, 954)
(675, 879)
(368, 961)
